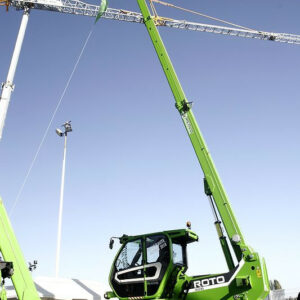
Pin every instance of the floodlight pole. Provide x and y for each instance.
(8, 85)
(68, 128)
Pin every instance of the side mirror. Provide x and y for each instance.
(111, 243)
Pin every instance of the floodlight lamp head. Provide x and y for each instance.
(68, 127)
(59, 132)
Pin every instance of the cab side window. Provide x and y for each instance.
(157, 249)
(177, 254)
(131, 256)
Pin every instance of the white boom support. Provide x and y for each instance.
(8, 85)
(81, 8)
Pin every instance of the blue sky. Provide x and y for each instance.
(130, 166)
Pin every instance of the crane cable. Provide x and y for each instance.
(202, 15)
(50, 123)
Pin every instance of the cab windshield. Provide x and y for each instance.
(131, 256)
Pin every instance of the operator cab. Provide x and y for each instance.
(144, 261)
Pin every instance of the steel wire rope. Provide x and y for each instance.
(50, 122)
(202, 15)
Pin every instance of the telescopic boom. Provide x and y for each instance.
(212, 179)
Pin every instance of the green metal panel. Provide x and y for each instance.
(3, 294)
(102, 10)
(11, 252)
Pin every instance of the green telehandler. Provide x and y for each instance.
(14, 266)
(153, 266)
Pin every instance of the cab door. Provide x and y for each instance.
(157, 262)
(128, 276)
(140, 266)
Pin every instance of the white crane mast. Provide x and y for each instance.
(8, 85)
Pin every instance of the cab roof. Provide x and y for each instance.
(181, 236)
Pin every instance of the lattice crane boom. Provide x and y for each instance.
(77, 7)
